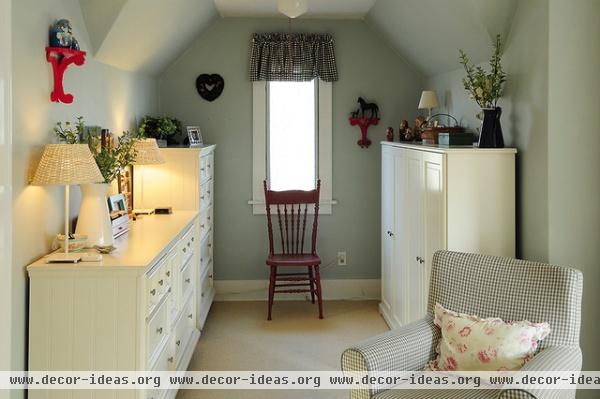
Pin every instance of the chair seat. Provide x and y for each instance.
(293, 260)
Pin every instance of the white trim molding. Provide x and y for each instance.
(259, 146)
(335, 289)
(6, 184)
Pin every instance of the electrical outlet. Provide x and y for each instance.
(341, 259)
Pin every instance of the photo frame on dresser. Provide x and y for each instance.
(194, 135)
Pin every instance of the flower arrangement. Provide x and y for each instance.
(159, 128)
(485, 88)
(112, 154)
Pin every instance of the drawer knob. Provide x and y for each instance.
(191, 315)
(184, 249)
(168, 273)
(153, 291)
(208, 191)
(202, 197)
(208, 218)
(210, 276)
(171, 359)
(159, 330)
(203, 169)
(420, 260)
(169, 290)
(209, 245)
(178, 342)
(160, 282)
(201, 260)
(189, 243)
(202, 295)
(193, 238)
(187, 280)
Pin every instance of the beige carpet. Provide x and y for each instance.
(237, 336)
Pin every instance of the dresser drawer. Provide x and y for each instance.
(186, 282)
(206, 250)
(206, 195)
(158, 283)
(184, 328)
(157, 331)
(206, 285)
(205, 222)
(186, 246)
(206, 167)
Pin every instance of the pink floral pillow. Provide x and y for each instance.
(469, 343)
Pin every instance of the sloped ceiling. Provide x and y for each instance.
(333, 9)
(147, 35)
(144, 35)
(428, 33)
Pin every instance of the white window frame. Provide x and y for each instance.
(324, 145)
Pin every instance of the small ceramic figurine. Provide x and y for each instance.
(61, 35)
(404, 130)
(389, 134)
(420, 125)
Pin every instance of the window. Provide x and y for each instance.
(292, 139)
(292, 135)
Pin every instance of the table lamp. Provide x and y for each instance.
(66, 164)
(428, 101)
(147, 153)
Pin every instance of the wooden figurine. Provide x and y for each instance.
(420, 125)
(389, 134)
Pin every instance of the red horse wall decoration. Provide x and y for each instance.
(363, 121)
(61, 58)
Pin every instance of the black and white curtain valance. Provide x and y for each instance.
(312, 56)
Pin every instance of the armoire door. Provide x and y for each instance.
(414, 275)
(387, 231)
(434, 208)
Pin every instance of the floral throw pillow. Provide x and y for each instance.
(470, 343)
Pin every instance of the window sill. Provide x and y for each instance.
(325, 207)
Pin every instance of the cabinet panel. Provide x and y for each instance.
(387, 227)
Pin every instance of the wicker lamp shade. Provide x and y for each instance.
(147, 153)
(64, 164)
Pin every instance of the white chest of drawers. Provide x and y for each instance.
(135, 310)
(186, 182)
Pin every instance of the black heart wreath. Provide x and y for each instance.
(210, 87)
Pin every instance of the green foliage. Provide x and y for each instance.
(112, 154)
(67, 134)
(159, 128)
(483, 87)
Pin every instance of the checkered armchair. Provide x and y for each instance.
(486, 286)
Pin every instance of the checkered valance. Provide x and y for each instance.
(312, 56)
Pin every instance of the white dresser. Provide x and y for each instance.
(185, 182)
(457, 198)
(134, 310)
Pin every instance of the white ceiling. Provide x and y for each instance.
(148, 35)
(144, 35)
(334, 9)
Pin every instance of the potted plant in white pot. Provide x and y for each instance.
(486, 88)
(112, 154)
(160, 128)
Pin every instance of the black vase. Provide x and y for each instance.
(491, 130)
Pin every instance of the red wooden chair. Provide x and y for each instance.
(292, 212)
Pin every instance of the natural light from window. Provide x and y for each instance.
(292, 135)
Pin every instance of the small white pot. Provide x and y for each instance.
(94, 219)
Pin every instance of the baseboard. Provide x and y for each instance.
(256, 290)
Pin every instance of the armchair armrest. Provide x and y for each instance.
(404, 349)
(554, 358)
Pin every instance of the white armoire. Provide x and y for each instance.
(185, 182)
(433, 197)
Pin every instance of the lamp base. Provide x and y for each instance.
(143, 211)
(61, 257)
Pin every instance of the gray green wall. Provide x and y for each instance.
(104, 95)
(573, 156)
(524, 118)
(550, 109)
(367, 67)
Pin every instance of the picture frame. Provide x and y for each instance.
(194, 135)
(117, 203)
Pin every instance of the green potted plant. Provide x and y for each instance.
(486, 88)
(112, 155)
(160, 128)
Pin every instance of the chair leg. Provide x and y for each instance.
(272, 280)
(319, 292)
(312, 284)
